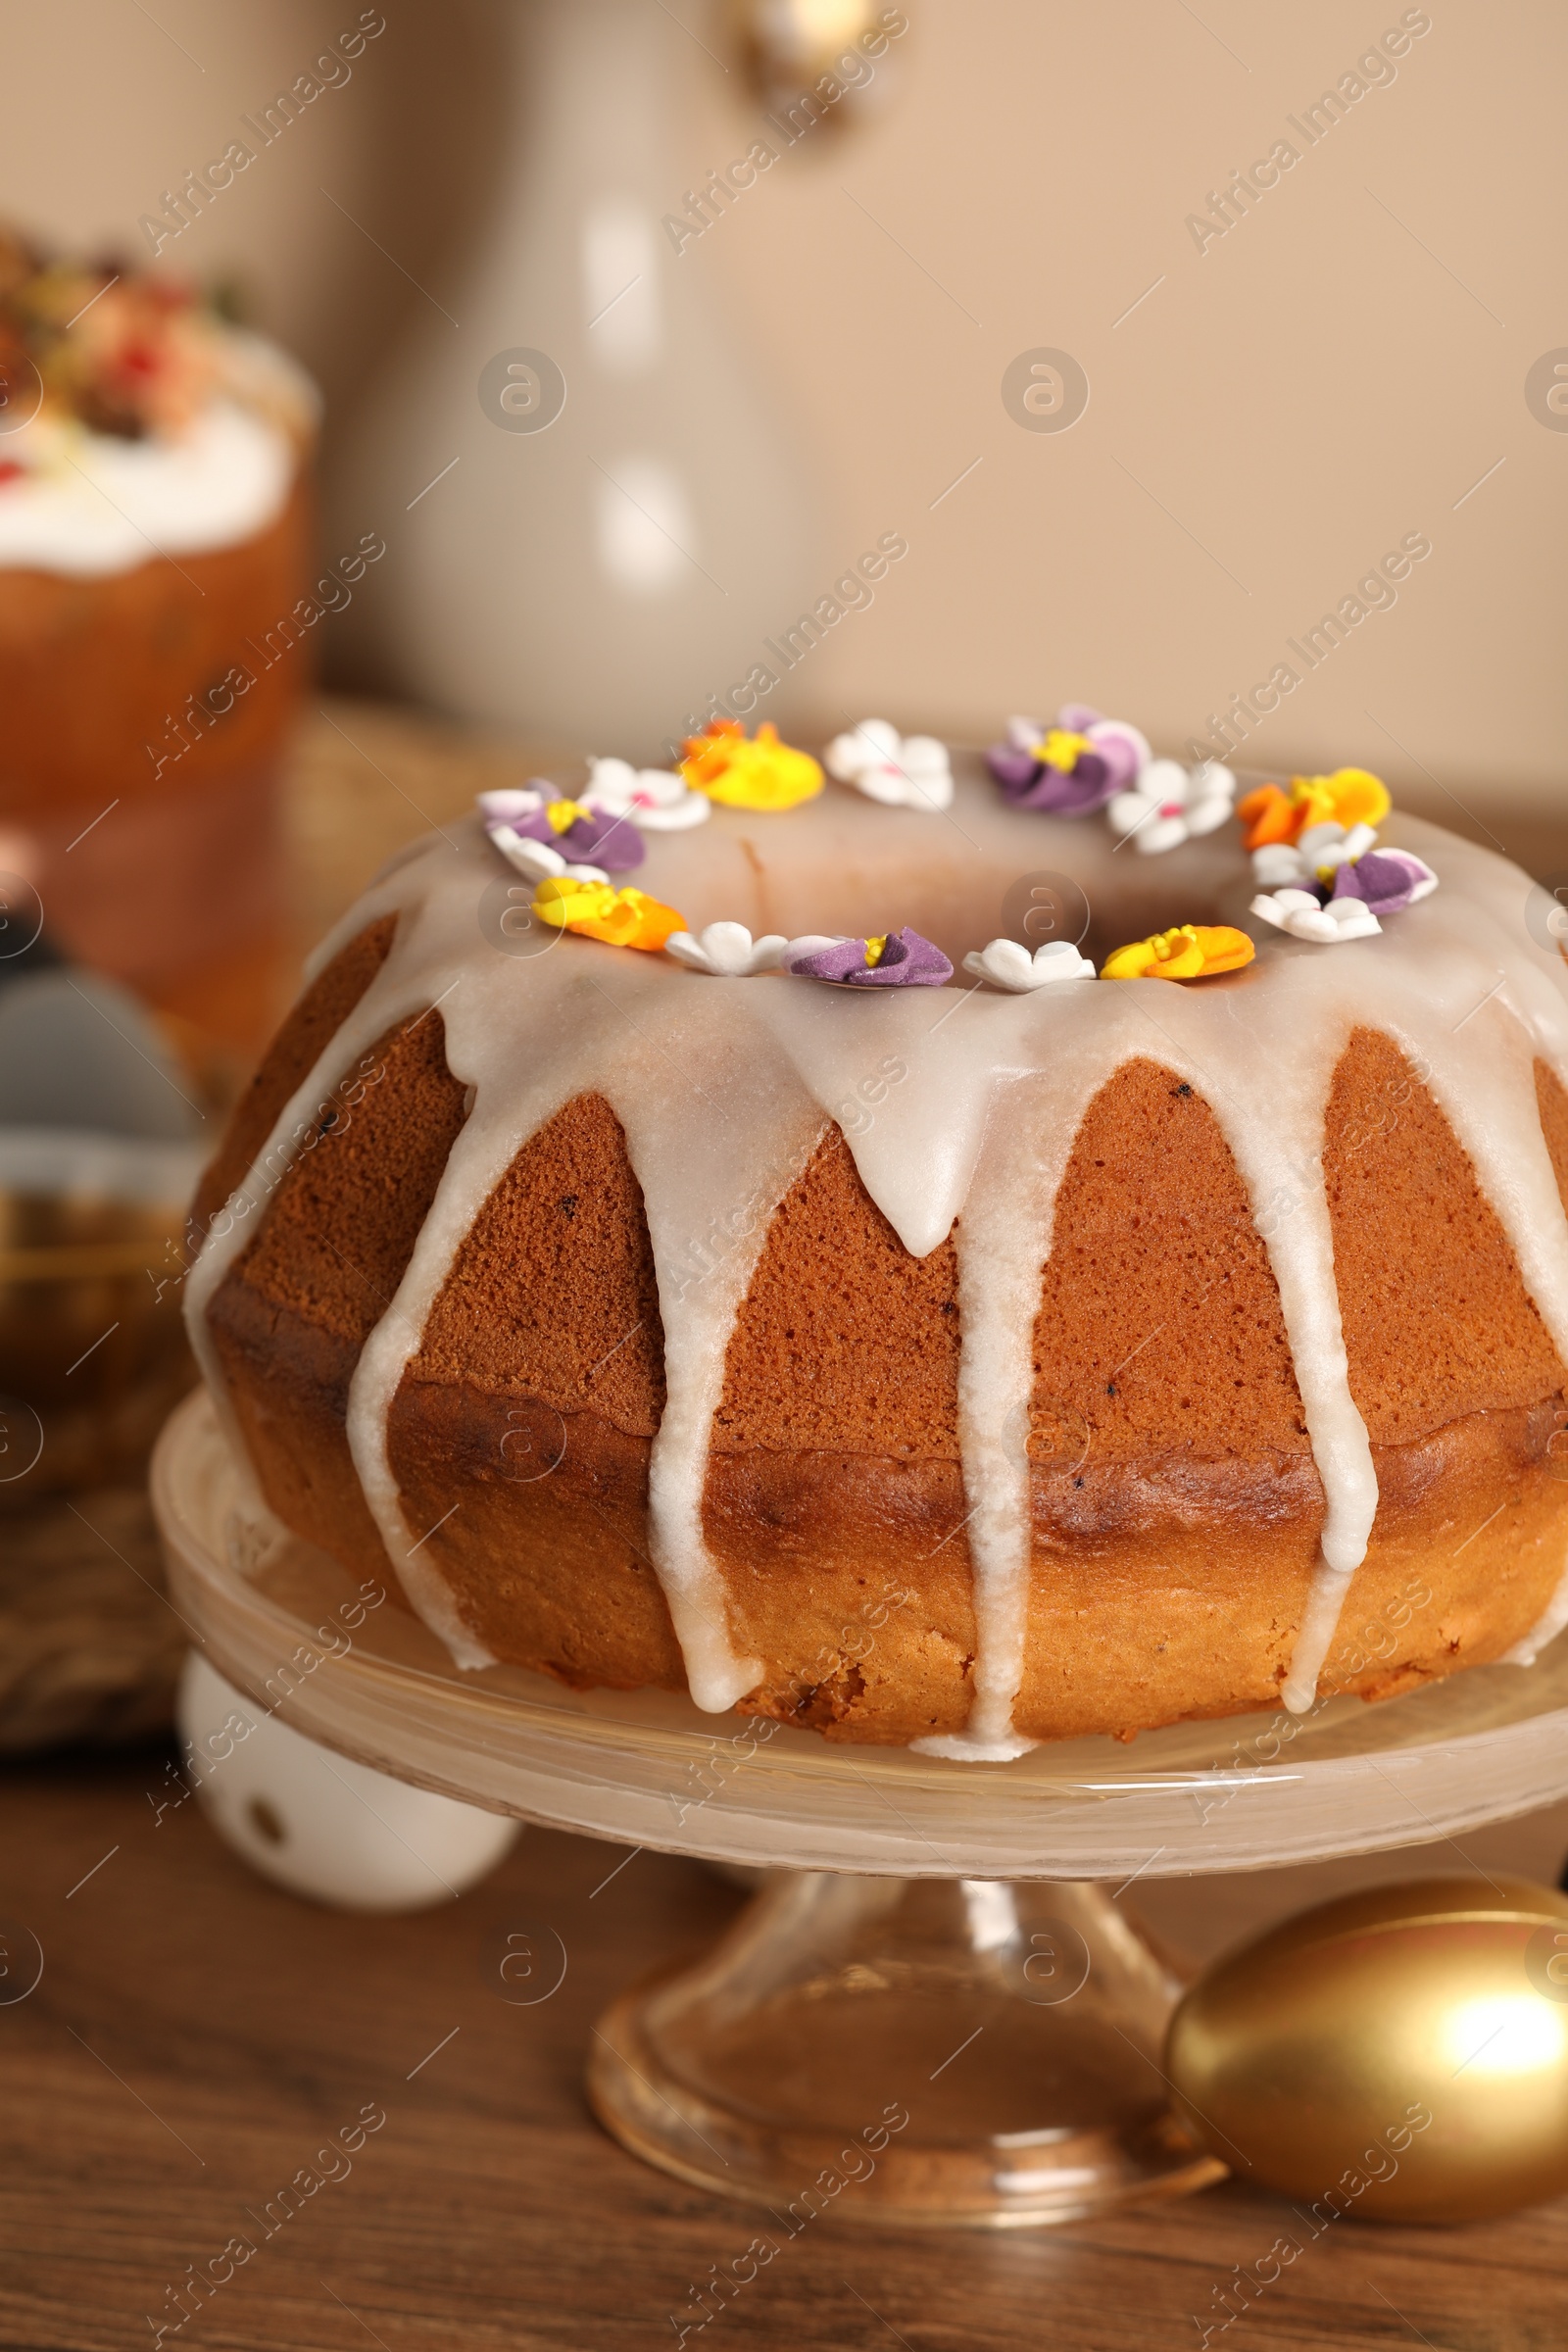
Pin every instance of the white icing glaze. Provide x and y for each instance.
(1320, 1621)
(953, 1100)
(1001, 1258)
(92, 504)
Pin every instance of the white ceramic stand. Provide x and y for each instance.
(937, 2010)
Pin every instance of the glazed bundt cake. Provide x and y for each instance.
(922, 1363)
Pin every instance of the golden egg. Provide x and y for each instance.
(1397, 2055)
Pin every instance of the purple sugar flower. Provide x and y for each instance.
(1077, 791)
(907, 960)
(589, 836)
(1071, 768)
(1385, 880)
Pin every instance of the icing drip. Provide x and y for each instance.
(955, 1105)
(1320, 1621)
(231, 1230)
(1000, 1261)
(708, 1215)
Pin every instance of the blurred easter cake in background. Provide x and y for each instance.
(154, 542)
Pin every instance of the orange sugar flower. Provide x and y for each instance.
(622, 919)
(1190, 951)
(1268, 817)
(1351, 795)
(760, 773)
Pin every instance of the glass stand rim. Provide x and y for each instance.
(289, 1626)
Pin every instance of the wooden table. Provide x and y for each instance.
(196, 2035)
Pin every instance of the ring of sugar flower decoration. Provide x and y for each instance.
(1314, 848)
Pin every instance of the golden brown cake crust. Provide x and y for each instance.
(291, 1315)
(1159, 1322)
(532, 1403)
(299, 1045)
(1437, 1320)
(553, 1293)
(1551, 1096)
(843, 1340)
(1176, 1505)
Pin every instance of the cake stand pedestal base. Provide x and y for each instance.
(969, 2052)
(931, 2014)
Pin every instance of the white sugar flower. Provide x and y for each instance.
(537, 859)
(728, 950)
(810, 943)
(656, 799)
(902, 771)
(1319, 850)
(1006, 964)
(1298, 912)
(1170, 804)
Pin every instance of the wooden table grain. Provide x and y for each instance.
(199, 2041)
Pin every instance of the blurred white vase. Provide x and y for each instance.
(591, 576)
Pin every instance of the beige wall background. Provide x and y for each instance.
(1344, 366)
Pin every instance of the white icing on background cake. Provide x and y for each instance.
(724, 1088)
(91, 504)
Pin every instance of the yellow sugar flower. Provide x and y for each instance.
(1189, 951)
(1062, 749)
(760, 773)
(1354, 794)
(622, 919)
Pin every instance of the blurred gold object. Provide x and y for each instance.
(788, 45)
(1397, 2055)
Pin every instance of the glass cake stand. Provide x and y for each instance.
(934, 2013)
